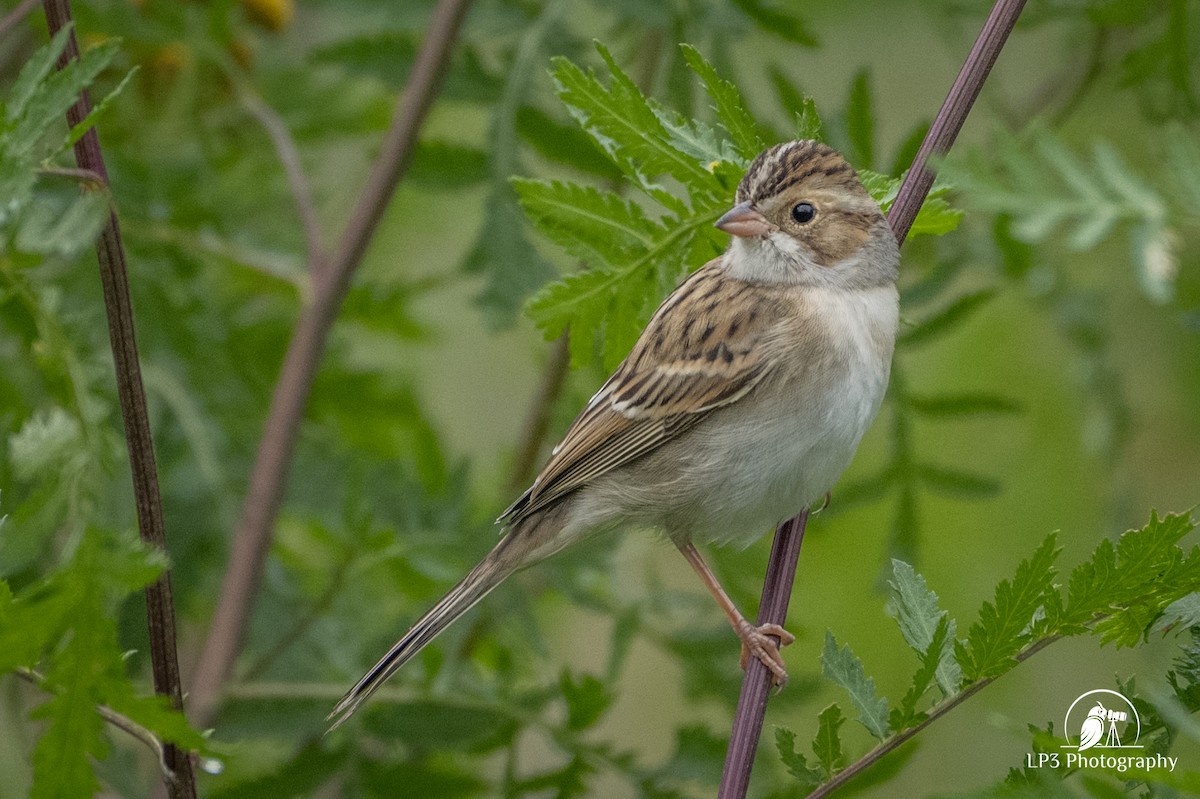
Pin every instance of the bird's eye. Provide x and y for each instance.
(803, 213)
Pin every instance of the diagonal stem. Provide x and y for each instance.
(268, 478)
(758, 679)
(752, 705)
(114, 279)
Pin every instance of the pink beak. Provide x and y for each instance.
(743, 221)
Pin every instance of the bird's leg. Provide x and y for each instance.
(755, 640)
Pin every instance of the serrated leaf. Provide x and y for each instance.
(802, 107)
(860, 120)
(728, 103)
(1004, 623)
(842, 667)
(621, 119)
(915, 609)
(1132, 582)
(947, 318)
(598, 226)
(827, 746)
(796, 764)
(614, 302)
(52, 97)
(944, 406)
(587, 699)
(35, 70)
(87, 123)
(1181, 614)
(564, 143)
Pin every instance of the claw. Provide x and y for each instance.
(755, 641)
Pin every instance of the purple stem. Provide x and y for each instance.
(781, 568)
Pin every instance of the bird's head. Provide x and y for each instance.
(801, 215)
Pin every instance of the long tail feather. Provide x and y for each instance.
(499, 564)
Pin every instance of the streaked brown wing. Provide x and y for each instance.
(706, 346)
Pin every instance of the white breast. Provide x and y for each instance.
(775, 457)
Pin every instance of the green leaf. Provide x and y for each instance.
(1004, 624)
(950, 406)
(616, 302)
(1049, 193)
(564, 143)
(936, 218)
(51, 230)
(156, 714)
(34, 72)
(46, 442)
(1181, 614)
(795, 762)
(860, 120)
(301, 775)
(906, 153)
(597, 226)
(87, 123)
(827, 746)
(587, 699)
(728, 103)
(915, 609)
(779, 23)
(52, 97)
(623, 121)
(947, 318)
(802, 107)
(1135, 580)
(502, 252)
(442, 165)
(955, 482)
(844, 668)
(388, 56)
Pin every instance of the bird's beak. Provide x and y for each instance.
(743, 221)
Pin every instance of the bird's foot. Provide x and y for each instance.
(755, 641)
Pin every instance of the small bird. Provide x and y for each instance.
(741, 403)
(1092, 729)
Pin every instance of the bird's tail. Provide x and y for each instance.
(508, 556)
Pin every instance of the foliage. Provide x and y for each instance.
(1121, 594)
(1029, 354)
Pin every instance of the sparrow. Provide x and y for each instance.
(741, 403)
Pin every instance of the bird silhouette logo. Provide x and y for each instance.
(1110, 716)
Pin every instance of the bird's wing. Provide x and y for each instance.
(1090, 733)
(707, 345)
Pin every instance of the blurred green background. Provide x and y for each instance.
(407, 448)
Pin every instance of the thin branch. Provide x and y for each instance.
(756, 684)
(252, 536)
(751, 710)
(14, 18)
(876, 754)
(88, 177)
(537, 419)
(953, 113)
(114, 278)
(121, 722)
(289, 158)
